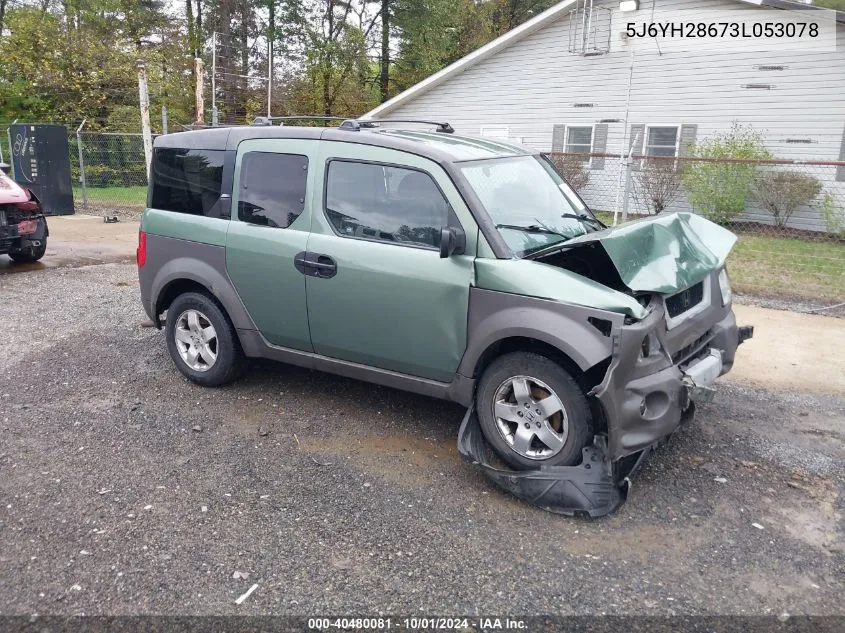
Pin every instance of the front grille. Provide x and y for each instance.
(692, 350)
(686, 299)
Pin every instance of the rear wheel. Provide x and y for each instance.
(30, 253)
(202, 342)
(532, 411)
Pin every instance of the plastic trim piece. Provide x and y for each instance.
(589, 488)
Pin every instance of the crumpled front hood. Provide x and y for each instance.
(665, 253)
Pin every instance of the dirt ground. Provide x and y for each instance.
(124, 489)
(79, 240)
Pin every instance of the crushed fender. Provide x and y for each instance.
(594, 487)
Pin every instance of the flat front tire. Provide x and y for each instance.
(532, 412)
(202, 341)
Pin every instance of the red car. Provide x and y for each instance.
(23, 227)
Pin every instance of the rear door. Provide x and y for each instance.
(271, 214)
(383, 296)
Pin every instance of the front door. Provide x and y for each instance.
(271, 215)
(379, 293)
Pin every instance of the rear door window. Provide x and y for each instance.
(187, 181)
(272, 188)
(385, 203)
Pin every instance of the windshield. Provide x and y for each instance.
(529, 202)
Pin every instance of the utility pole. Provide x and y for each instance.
(269, 74)
(164, 119)
(214, 78)
(144, 99)
(200, 103)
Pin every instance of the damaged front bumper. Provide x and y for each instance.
(644, 396)
(655, 377)
(596, 487)
(21, 234)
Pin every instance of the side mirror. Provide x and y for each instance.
(452, 241)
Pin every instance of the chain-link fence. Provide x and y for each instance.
(109, 173)
(788, 215)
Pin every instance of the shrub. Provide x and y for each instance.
(834, 216)
(781, 192)
(719, 190)
(572, 168)
(657, 184)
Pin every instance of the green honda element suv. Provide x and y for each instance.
(456, 267)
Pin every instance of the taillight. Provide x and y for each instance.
(141, 253)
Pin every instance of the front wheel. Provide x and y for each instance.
(29, 254)
(532, 412)
(202, 342)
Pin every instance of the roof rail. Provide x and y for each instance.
(357, 124)
(268, 120)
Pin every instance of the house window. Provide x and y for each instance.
(662, 141)
(579, 140)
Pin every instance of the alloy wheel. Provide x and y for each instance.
(196, 340)
(530, 417)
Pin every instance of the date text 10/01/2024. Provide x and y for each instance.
(733, 30)
(416, 624)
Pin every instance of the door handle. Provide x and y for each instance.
(315, 265)
(324, 266)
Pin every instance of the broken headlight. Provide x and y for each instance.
(725, 287)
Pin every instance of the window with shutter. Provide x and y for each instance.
(579, 140)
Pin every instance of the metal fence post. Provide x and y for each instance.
(164, 119)
(629, 168)
(82, 181)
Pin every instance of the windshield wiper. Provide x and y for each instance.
(533, 228)
(585, 219)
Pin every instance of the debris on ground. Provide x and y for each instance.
(248, 593)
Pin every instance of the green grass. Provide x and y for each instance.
(796, 267)
(102, 197)
(789, 267)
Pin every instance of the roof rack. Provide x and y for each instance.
(356, 125)
(268, 120)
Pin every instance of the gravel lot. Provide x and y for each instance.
(126, 489)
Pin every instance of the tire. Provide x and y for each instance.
(29, 255)
(523, 438)
(210, 358)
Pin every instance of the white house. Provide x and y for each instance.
(576, 79)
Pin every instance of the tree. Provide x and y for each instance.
(718, 188)
(384, 62)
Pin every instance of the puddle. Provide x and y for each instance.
(71, 254)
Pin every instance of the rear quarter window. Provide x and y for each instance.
(188, 181)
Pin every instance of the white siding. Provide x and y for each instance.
(535, 83)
